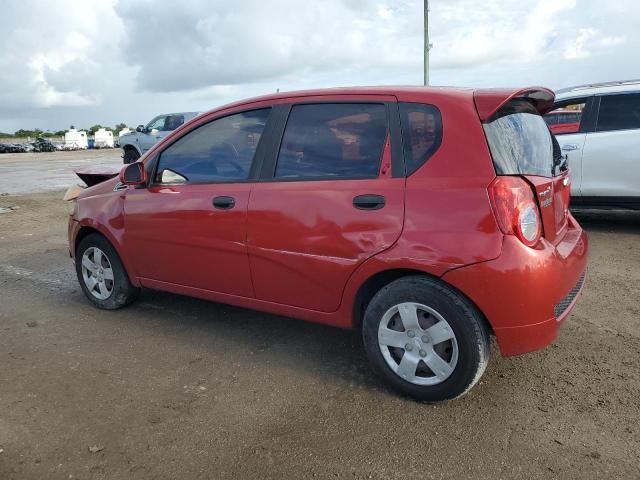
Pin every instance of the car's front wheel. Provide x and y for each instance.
(425, 339)
(102, 275)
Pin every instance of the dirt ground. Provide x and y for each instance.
(178, 388)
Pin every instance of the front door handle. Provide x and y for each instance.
(369, 202)
(224, 203)
(569, 147)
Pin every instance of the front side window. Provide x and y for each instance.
(619, 112)
(219, 151)
(157, 123)
(341, 140)
(566, 117)
(421, 133)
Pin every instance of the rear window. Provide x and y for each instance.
(520, 141)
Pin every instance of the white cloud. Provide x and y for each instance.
(75, 62)
(578, 47)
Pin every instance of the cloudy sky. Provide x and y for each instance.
(76, 62)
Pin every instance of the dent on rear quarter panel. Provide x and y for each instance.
(449, 222)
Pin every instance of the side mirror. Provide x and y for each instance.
(140, 129)
(133, 174)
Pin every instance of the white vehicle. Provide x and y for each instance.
(598, 128)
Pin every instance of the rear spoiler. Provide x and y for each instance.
(488, 101)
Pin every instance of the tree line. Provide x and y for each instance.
(36, 132)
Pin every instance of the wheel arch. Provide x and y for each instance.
(375, 282)
(131, 146)
(86, 230)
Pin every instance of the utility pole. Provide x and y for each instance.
(427, 46)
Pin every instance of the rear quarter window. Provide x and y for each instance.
(421, 133)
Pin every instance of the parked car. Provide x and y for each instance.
(43, 145)
(428, 219)
(135, 144)
(603, 146)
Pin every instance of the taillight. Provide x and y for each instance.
(516, 210)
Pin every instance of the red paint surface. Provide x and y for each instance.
(300, 248)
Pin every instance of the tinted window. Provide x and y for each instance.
(520, 141)
(566, 117)
(421, 133)
(219, 151)
(619, 112)
(333, 140)
(172, 122)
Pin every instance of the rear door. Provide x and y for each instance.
(332, 195)
(611, 159)
(570, 120)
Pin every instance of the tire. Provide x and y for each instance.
(130, 155)
(458, 349)
(118, 291)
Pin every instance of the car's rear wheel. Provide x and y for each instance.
(102, 275)
(425, 339)
(130, 155)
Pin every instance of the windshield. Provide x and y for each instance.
(520, 141)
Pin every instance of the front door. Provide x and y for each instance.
(152, 133)
(330, 203)
(569, 122)
(188, 227)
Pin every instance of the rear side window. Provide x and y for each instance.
(520, 141)
(340, 140)
(421, 133)
(173, 121)
(619, 112)
(219, 151)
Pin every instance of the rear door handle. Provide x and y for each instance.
(569, 147)
(369, 202)
(224, 203)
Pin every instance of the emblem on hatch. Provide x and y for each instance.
(545, 192)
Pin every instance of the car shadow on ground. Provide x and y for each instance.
(619, 221)
(302, 346)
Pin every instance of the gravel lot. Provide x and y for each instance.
(174, 387)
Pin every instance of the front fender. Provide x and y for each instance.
(104, 212)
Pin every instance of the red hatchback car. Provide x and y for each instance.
(428, 218)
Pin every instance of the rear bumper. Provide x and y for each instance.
(527, 293)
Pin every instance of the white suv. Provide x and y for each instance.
(598, 128)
